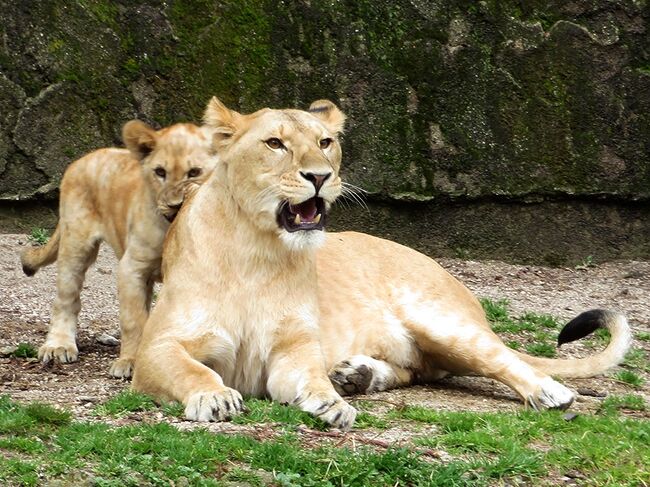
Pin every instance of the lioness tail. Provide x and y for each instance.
(33, 258)
(579, 327)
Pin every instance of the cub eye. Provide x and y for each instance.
(325, 143)
(274, 143)
(160, 172)
(194, 172)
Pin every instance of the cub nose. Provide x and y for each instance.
(316, 179)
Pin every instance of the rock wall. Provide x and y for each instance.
(448, 100)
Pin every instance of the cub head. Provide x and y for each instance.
(175, 160)
(281, 166)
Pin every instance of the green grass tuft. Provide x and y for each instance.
(39, 236)
(643, 336)
(541, 350)
(25, 350)
(630, 378)
(636, 358)
(125, 402)
(629, 401)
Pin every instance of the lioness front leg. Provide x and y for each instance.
(134, 286)
(179, 377)
(297, 376)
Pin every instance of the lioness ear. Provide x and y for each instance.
(220, 118)
(139, 138)
(329, 113)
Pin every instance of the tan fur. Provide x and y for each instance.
(238, 312)
(115, 195)
(240, 309)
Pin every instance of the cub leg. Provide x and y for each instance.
(166, 369)
(471, 348)
(297, 376)
(76, 253)
(134, 287)
(361, 374)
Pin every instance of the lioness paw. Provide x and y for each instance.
(122, 368)
(348, 378)
(332, 410)
(61, 351)
(551, 395)
(214, 406)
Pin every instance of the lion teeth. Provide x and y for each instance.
(317, 219)
(297, 220)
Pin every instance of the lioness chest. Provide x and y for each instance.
(238, 342)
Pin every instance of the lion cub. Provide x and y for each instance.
(126, 197)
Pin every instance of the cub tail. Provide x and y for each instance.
(579, 327)
(33, 258)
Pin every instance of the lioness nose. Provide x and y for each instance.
(316, 179)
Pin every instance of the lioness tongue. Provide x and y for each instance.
(307, 210)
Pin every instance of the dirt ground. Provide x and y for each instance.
(25, 307)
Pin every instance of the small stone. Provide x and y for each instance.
(108, 340)
(569, 416)
(8, 351)
(584, 391)
(87, 399)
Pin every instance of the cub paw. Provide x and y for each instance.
(122, 368)
(551, 395)
(214, 405)
(348, 378)
(332, 410)
(64, 352)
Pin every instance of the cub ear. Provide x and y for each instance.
(139, 138)
(329, 113)
(222, 120)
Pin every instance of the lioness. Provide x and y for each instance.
(250, 306)
(125, 197)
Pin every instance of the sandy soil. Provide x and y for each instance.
(25, 308)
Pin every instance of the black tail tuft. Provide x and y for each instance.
(582, 325)
(29, 271)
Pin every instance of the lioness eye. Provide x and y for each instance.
(274, 143)
(194, 172)
(160, 172)
(325, 143)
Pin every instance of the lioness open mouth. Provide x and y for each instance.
(308, 215)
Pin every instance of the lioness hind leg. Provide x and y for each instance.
(361, 374)
(471, 348)
(76, 254)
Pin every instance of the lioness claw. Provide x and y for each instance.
(214, 406)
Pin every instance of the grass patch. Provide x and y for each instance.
(125, 402)
(38, 236)
(606, 449)
(629, 401)
(159, 454)
(25, 350)
(629, 377)
(643, 336)
(636, 358)
(486, 449)
(541, 350)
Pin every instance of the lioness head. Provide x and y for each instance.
(281, 166)
(175, 160)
